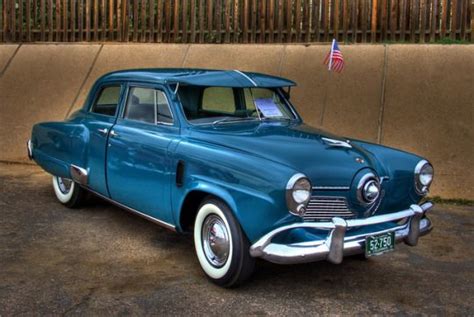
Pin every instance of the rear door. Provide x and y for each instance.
(100, 119)
(139, 159)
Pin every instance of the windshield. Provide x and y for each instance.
(226, 104)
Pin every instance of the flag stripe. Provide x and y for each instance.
(335, 58)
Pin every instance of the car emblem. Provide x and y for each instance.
(360, 160)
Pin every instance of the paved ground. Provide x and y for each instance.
(102, 260)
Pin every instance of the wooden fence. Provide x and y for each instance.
(236, 21)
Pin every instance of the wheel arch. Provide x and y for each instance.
(191, 201)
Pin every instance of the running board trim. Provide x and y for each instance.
(133, 211)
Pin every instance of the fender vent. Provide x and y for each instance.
(179, 173)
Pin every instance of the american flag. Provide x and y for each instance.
(334, 59)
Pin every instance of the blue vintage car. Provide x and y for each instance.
(225, 155)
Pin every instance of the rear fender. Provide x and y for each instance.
(58, 145)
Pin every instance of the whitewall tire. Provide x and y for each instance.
(221, 247)
(68, 192)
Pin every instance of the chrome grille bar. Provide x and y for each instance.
(326, 207)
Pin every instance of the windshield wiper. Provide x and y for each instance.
(232, 119)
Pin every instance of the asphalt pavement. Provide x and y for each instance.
(101, 260)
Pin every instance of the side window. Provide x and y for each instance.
(218, 99)
(107, 101)
(148, 105)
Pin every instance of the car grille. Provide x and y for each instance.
(323, 208)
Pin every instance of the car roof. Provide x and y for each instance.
(199, 77)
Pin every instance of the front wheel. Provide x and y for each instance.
(221, 246)
(68, 192)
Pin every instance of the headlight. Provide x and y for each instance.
(368, 189)
(298, 194)
(423, 177)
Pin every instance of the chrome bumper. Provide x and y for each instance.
(29, 149)
(337, 244)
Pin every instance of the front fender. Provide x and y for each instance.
(252, 187)
(399, 167)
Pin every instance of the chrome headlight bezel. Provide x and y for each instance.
(365, 189)
(422, 188)
(302, 183)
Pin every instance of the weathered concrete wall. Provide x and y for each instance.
(416, 97)
(429, 104)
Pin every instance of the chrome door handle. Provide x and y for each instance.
(113, 133)
(103, 131)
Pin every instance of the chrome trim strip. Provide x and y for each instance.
(336, 245)
(131, 210)
(247, 77)
(333, 142)
(79, 174)
(331, 187)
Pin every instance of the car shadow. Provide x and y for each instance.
(365, 274)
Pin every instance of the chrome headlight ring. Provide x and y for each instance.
(368, 189)
(424, 174)
(298, 194)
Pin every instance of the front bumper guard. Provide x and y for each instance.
(337, 244)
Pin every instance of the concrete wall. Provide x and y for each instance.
(415, 97)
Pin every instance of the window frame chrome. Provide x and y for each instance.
(132, 85)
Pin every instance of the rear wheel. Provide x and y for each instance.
(221, 246)
(68, 192)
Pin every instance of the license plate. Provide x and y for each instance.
(375, 245)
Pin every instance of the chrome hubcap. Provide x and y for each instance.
(215, 240)
(64, 185)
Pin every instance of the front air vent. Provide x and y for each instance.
(179, 173)
(324, 208)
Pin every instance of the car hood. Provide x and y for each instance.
(305, 149)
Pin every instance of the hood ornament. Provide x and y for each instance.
(338, 143)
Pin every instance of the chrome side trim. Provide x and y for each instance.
(336, 245)
(247, 77)
(131, 210)
(79, 174)
(29, 147)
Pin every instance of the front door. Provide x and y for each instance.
(99, 121)
(139, 160)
